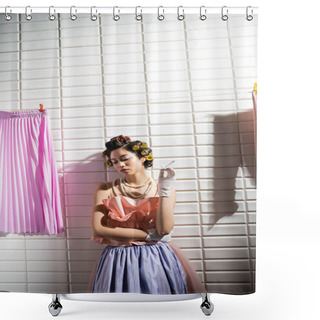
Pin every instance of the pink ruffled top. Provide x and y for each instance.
(126, 212)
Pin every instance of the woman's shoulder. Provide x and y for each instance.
(106, 187)
(102, 186)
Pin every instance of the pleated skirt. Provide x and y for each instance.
(149, 269)
(29, 188)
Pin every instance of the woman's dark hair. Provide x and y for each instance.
(138, 147)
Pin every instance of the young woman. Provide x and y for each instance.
(133, 215)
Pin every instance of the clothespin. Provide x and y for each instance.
(41, 107)
(255, 87)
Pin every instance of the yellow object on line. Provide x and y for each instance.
(255, 87)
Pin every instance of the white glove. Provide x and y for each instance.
(154, 236)
(166, 183)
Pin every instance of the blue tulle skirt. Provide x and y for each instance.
(152, 269)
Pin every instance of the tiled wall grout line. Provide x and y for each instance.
(185, 34)
(241, 157)
(21, 108)
(67, 246)
(145, 74)
(105, 134)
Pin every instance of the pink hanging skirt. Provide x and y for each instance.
(29, 187)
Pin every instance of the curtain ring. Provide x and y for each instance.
(160, 16)
(116, 17)
(180, 16)
(249, 16)
(224, 15)
(203, 15)
(93, 17)
(73, 16)
(28, 16)
(52, 16)
(138, 16)
(7, 15)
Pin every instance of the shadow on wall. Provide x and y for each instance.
(234, 164)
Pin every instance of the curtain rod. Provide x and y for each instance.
(124, 9)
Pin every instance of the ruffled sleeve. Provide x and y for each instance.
(125, 212)
(124, 209)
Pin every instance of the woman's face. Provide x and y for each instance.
(126, 162)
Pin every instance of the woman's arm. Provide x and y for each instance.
(165, 219)
(98, 214)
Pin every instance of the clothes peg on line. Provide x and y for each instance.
(41, 107)
(255, 87)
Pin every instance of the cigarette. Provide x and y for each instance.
(169, 163)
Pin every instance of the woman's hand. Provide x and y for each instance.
(154, 236)
(165, 183)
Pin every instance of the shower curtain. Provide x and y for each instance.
(184, 87)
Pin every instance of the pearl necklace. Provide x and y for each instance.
(127, 193)
(136, 186)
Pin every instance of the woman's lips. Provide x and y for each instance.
(124, 170)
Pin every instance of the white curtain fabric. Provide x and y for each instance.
(185, 88)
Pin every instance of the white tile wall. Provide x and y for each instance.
(184, 88)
